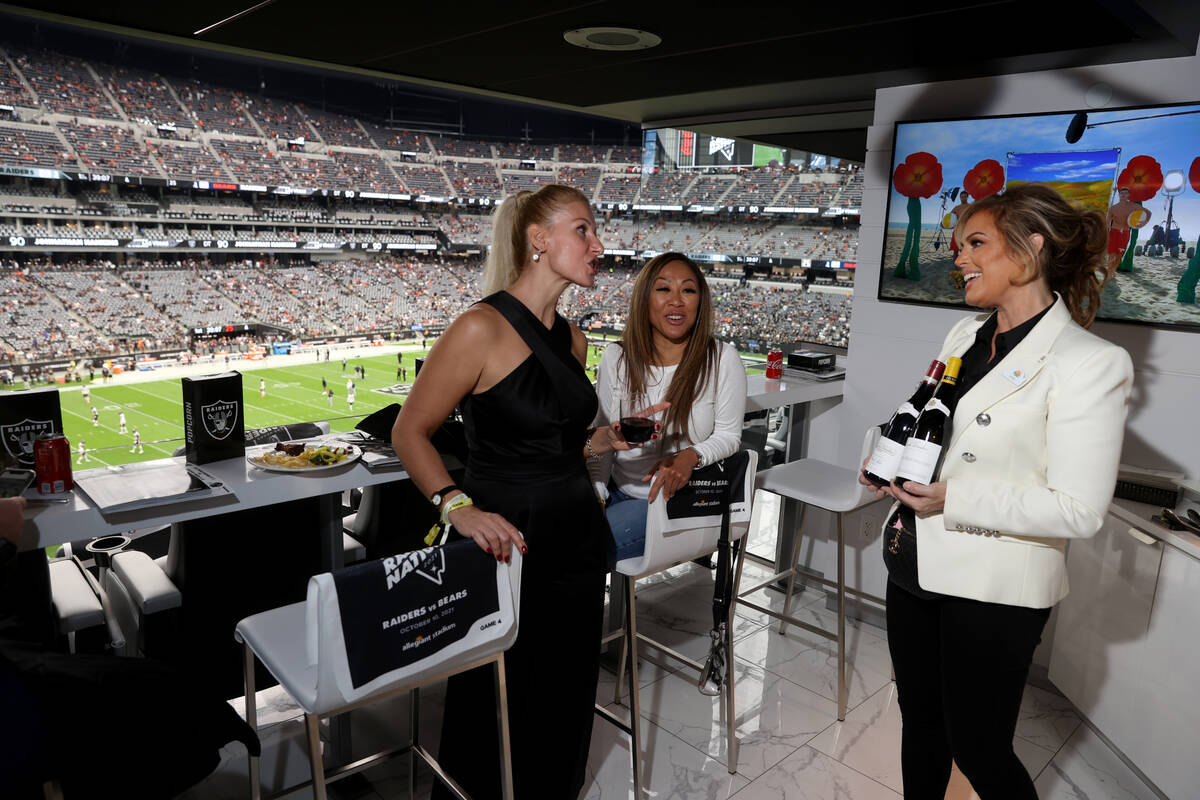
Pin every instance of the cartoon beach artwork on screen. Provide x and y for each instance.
(1139, 168)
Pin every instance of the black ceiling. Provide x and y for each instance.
(796, 74)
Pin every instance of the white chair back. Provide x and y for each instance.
(674, 541)
(327, 651)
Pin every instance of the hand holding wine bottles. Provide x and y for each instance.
(921, 498)
(924, 499)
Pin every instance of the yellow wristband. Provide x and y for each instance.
(458, 502)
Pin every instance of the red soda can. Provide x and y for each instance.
(775, 365)
(52, 461)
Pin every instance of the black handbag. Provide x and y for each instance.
(900, 558)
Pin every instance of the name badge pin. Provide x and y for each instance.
(1015, 376)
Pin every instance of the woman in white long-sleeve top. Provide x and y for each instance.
(667, 353)
(976, 559)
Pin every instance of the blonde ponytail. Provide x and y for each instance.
(508, 245)
(510, 226)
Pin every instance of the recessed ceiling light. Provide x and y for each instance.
(607, 37)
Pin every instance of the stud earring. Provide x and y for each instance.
(537, 256)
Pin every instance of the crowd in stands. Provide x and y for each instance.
(109, 113)
(473, 178)
(88, 308)
(617, 188)
(522, 150)
(336, 129)
(108, 148)
(278, 119)
(65, 85)
(189, 161)
(215, 110)
(665, 187)
(12, 91)
(145, 97)
(34, 147)
(251, 161)
(106, 119)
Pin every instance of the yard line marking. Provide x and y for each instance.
(151, 416)
(117, 431)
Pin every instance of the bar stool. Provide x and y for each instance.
(305, 647)
(836, 489)
(665, 549)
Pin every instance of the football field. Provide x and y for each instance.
(294, 394)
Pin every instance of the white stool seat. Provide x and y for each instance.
(278, 637)
(817, 483)
(305, 646)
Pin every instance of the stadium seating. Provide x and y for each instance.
(108, 148)
(214, 109)
(144, 96)
(34, 147)
(473, 178)
(106, 119)
(251, 161)
(619, 188)
(65, 85)
(665, 187)
(521, 150)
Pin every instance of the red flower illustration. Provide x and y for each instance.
(919, 176)
(986, 178)
(1194, 174)
(1143, 178)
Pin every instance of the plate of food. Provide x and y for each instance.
(303, 456)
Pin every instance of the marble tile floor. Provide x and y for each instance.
(792, 746)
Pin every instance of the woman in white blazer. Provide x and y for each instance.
(976, 559)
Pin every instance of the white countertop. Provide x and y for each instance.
(1138, 515)
(58, 523)
(762, 393)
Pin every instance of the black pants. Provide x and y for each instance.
(961, 667)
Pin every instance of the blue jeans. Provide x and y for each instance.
(627, 518)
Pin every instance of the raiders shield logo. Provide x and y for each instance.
(219, 418)
(20, 436)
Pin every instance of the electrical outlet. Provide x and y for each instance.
(870, 527)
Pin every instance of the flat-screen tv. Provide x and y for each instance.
(940, 166)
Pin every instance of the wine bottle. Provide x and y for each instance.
(881, 468)
(923, 450)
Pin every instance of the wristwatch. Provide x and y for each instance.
(699, 457)
(439, 496)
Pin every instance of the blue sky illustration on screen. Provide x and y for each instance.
(1040, 141)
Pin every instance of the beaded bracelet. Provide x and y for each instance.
(588, 444)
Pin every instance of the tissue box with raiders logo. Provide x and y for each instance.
(213, 422)
(24, 416)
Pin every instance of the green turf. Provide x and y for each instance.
(155, 408)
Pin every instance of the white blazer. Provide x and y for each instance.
(1031, 462)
